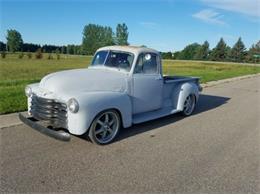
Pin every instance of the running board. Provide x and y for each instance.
(143, 117)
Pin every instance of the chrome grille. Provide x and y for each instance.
(50, 110)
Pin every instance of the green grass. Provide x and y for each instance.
(208, 71)
(16, 73)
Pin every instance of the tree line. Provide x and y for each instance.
(96, 36)
(31, 47)
(221, 52)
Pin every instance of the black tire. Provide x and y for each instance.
(187, 111)
(97, 130)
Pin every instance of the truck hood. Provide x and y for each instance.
(84, 80)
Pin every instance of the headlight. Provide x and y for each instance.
(28, 91)
(73, 105)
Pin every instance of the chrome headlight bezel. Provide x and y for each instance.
(73, 105)
(28, 91)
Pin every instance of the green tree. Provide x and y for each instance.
(202, 52)
(220, 52)
(188, 53)
(228, 53)
(176, 55)
(107, 36)
(238, 51)
(96, 36)
(14, 41)
(166, 55)
(254, 53)
(122, 34)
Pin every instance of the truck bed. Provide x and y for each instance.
(172, 79)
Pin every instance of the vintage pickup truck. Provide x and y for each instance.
(124, 85)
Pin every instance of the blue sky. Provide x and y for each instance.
(166, 25)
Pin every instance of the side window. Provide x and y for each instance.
(146, 64)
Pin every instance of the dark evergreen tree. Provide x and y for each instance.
(30, 47)
(219, 53)
(63, 49)
(50, 48)
(253, 55)
(238, 52)
(2, 46)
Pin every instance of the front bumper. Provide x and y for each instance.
(60, 135)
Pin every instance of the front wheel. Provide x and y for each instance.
(105, 127)
(189, 105)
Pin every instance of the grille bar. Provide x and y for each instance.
(50, 110)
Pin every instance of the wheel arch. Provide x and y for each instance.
(108, 109)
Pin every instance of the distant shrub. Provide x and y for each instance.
(57, 54)
(29, 55)
(20, 56)
(3, 54)
(49, 57)
(38, 54)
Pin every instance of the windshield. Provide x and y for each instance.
(114, 59)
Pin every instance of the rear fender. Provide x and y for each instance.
(184, 91)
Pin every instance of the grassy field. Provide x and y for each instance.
(16, 73)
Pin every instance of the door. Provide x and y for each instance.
(147, 84)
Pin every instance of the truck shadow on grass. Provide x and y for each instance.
(206, 103)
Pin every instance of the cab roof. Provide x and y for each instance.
(131, 49)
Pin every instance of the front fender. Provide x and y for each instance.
(92, 103)
(185, 90)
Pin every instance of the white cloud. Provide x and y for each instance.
(247, 7)
(209, 16)
(148, 24)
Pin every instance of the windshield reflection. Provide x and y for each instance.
(114, 59)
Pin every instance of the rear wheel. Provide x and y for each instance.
(189, 105)
(105, 127)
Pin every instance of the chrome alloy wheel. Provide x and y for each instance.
(189, 105)
(105, 127)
